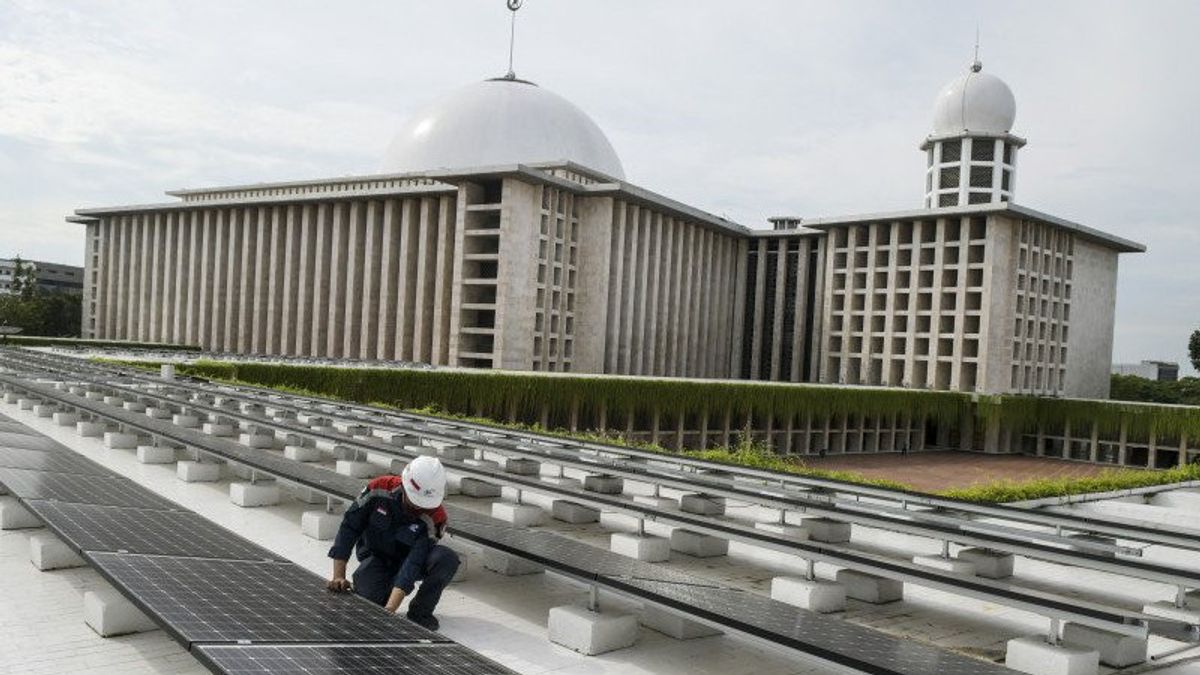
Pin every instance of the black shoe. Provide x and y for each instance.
(428, 621)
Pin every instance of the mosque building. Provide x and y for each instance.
(500, 233)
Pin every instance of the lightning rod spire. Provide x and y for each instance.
(513, 6)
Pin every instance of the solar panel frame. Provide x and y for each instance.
(346, 659)
(244, 602)
(50, 461)
(30, 441)
(119, 529)
(82, 489)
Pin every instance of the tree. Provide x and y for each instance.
(1194, 349)
(38, 313)
(24, 281)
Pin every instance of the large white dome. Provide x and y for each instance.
(501, 121)
(974, 102)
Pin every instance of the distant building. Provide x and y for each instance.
(1161, 371)
(51, 277)
(502, 234)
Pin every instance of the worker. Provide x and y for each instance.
(396, 524)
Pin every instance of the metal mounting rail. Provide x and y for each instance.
(1045, 604)
(871, 515)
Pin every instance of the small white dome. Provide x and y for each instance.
(501, 121)
(974, 102)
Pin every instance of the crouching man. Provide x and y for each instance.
(395, 525)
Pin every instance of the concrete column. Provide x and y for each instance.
(306, 280)
(756, 328)
(443, 297)
(616, 282)
(259, 290)
(407, 278)
(278, 265)
(423, 296)
(352, 311)
(630, 289)
(339, 263)
(242, 331)
(388, 248)
(321, 282)
(160, 307)
(289, 324)
(147, 259)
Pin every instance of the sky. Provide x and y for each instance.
(746, 110)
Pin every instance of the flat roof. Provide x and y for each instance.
(1119, 244)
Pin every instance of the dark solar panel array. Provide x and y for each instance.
(46, 460)
(431, 659)
(82, 489)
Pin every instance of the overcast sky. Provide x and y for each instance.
(746, 109)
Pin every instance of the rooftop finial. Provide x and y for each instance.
(513, 6)
(976, 65)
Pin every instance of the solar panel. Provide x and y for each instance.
(91, 527)
(825, 637)
(58, 462)
(83, 489)
(206, 600)
(434, 659)
(28, 441)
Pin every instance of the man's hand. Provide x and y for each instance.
(339, 584)
(394, 600)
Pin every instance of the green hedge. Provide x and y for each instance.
(1106, 481)
(1028, 413)
(33, 341)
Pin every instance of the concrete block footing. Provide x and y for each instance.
(301, 453)
(563, 482)
(698, 545)
(90, 429)
(11, 397)
(605, 485)
(158, 413)
(573, 512)
(520, 515)
(520, 466)
(108, 613)
(155, 454)
(190, 471)
(473, 487)
(135, 406)
(254, 494)
(702, 504)
(48, 552)
(486, 464)
(306, 495)
(1115, 649)
(114, 401)
(644, 548)
(25, 403)
(793, 532)
(591, 633)
(357, 469)
(673, 624)
(44, 409)
(953, 565)
(815, 595)
(259, 441)
(320, 525)
(660, 503)
(988, 564)
(344, 452)
(463, 573)
(870, 587)
(1168, 610)
(120, 441)
(455, 453)
(13, 516)
(1035, 656)
(65, 419)
(215, 429)
(827, 530)
(509, 565)
(185, 421)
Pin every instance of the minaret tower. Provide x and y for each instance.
(971, 154)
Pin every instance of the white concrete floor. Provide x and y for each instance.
(504, 617)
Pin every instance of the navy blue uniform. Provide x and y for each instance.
(396, 547)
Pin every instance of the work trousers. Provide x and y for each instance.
(374, 576)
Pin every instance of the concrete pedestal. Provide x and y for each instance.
(1115, 649)
(120, 441)
(135, 406)
(259, 441)
(952, 565)
(673, 624)
(90, 429)
(155, 454)
(1035, 656)
(198, 472)
(158, 413)
(320, 525)
(455, 453)
(815, 595)
(215, 429)
(702, 504)
(485, 464)
(345, 452)
(520, 515)
(357, 469)
(254, 494)
(11, 397)
(869, 587)
(563, 482)
(508, 565)
(91, 396)
(606, 485)
(44, 409)
(988, 564)
(13, 516)
(65, 419)
(827, 530)
(698, 545)
(185, 421)
(793, 532)
(26, 403)
(306, 495)
(660, 503)
(644, 548)
(520, 466)
(48, 552)
(301, 453)
(589, 632)
(572, 512)
(108, 613)
(473, 487)
(114, 401)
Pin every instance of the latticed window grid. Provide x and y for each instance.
(1041, 330)
(557, 272)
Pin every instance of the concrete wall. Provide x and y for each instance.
(1093, 310)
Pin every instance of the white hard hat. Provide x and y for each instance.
(424, 482)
